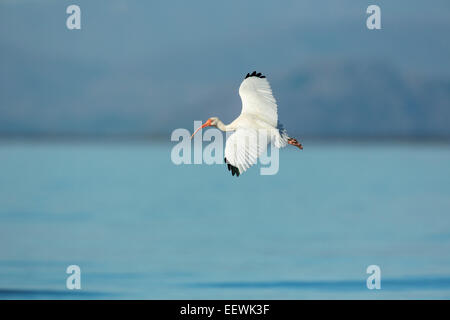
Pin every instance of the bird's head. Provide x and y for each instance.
(214, 121)
(211, 122)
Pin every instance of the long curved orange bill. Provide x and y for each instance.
(206, 124)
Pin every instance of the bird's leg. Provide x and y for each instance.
(294, 142)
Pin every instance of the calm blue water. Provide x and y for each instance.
(141, 227)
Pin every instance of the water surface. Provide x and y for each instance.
(140, 227)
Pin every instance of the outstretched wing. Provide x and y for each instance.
(243, 148)
(257, 98)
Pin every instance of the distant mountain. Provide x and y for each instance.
(339, 98)
(363, 99)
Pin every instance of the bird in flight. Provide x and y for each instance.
(259, 115)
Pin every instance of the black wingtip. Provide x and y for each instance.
(254, 74)
(234, 170)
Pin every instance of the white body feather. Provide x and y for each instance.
(256, 126)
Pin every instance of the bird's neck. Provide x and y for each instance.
(222, 126)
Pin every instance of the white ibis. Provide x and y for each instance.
(259, 112)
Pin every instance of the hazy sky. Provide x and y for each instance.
(150, 67)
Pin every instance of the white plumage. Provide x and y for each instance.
(243, 148)
(256, 126)
(257, 100)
